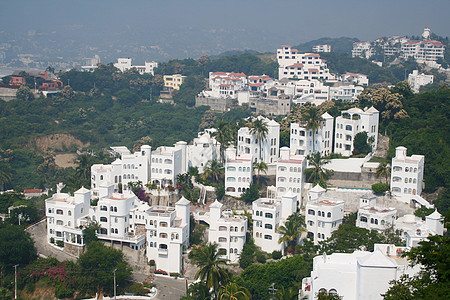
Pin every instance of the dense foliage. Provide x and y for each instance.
(16, 247)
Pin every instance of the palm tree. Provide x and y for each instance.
(287, 294)
(5, 175)
(83, 171)
(312, 117)
(290, 231)
(317, 174)
(213, 169)
(260, 129)
(260, 167)
(206, 257)
(223, 136)
(232, 291)
(198, 291)
(384, 169)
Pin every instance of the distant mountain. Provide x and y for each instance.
(340, 45)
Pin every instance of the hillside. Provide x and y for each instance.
(338, 45)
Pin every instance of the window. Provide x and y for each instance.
(222, 228)
(59, 212)
(363, 219)
(163, 224)
(267, 237)
(269, 215)
(231, 169)
(311, 212)
(222, 240)
(268, 226)
(103, 207)
(329, 215)
(59, 222)
(163, 235)
(103, 219)
(69, 212)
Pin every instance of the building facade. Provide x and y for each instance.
(238, 172)
(173, 81)
(372, 217)
(416, 80)
(289, 173)
(406, 173)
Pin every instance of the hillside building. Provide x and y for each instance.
(173, 81)
(238, 172)
(416, 80)
(124, 64)
(321, 48)
(415, 230)
(289, 173)
(406, 174)
(372, 217)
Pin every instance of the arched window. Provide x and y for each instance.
(363, 219)
(163, 235)
(69, 212)
(257, 213)
(269, 215)
(59, 222)
(268, 226)
(163, 224)
(231, 250)
(59, 212)
(151, 244)
(329, 215)
(267, 237)
(222, 228)
(222, 251)
(103, 219)
(222, 239)
(311, 212)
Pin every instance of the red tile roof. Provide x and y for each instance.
(296, 65)
(32, 191)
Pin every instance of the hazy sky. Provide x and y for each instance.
(262, 24)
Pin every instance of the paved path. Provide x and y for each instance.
(39, 235)
(169, 288)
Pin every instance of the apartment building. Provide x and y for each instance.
(173, 81)
(406, 173)
(363, 50)
(203, 149)
(415, 230)
(238, 172)
(267, 150)
(168, 162)
(289, 173)
(345, 92)
(350, 123)
(302, 141)
(293, 64)
(321, 48)
(228, 231)
(129, 167)
(226, 84)
(372, 217)
(269, 214)
(124, 64)
(356, 78)
(421, 51)
(416, 80)
(323, 215)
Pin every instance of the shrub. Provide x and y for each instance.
(176, 275)
(152, 263)
(137, 288)
(60, 244)
(261, 257)
(52, 240)
(276, 254)
(162, 272)
(380, 188)
(63, 291)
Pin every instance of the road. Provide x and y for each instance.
(168, 288)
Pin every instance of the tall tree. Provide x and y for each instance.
(260, 129)
(222, 136)
(312, 117)
(317, 174)
(384, 169)
(207, 258)
(260, 167)
(214, 170)
(287, 293)
(16, 247)
(291, 230)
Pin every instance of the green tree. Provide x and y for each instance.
(97, 265)
(223, 136)
(67, 93)
(213, 170)
(313, 119)
(384, 169)
(90, 232)
(16, 247)
(251, 194)
(197, 291)
(207, 258)
(290, 293)
(83, 170)
(24, 93)
(260, 129)
(260, 167)
(317, 174)
(324, 295)
(232, 291)
(433, 281)
(360, 144)
(220, 191)
(291, 230)
(5, 175)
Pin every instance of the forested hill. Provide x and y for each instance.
(339, 45)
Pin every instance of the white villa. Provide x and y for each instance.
(363, 50)
(124, 219)
(124, 64)
(289, 174)
(238, 172)
(226, 84)
(129, 167)
(268, 215)
(372, 217)
(228, 231)
(293, 64)
(406, 174)
(350, 123)
(321, 48)
(416, 230)
(416, 80)
(356, 78)
(203, 148)
(168, 162)
(322, 214)
(357, 275)
(248, 143)
(302, 142)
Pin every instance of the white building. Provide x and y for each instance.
(268, 215)
(345, 92)
(406, 174)
(416, 230)
(225, 84)
(350, 123)
(356, 78)
(307, 90)
(168, 162)
(363, 50)
(293, 64)
(129, 167)
(372, 217)
(248, 143)
(65, 215)
(302, 141)
(167, 234)
(124, 64)
(228, 231)
(323, 215)
(289, 174)
(203, 148)
(417, 80)
(238, 172)
(423, 51)
(321, 48)
(357, 275)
